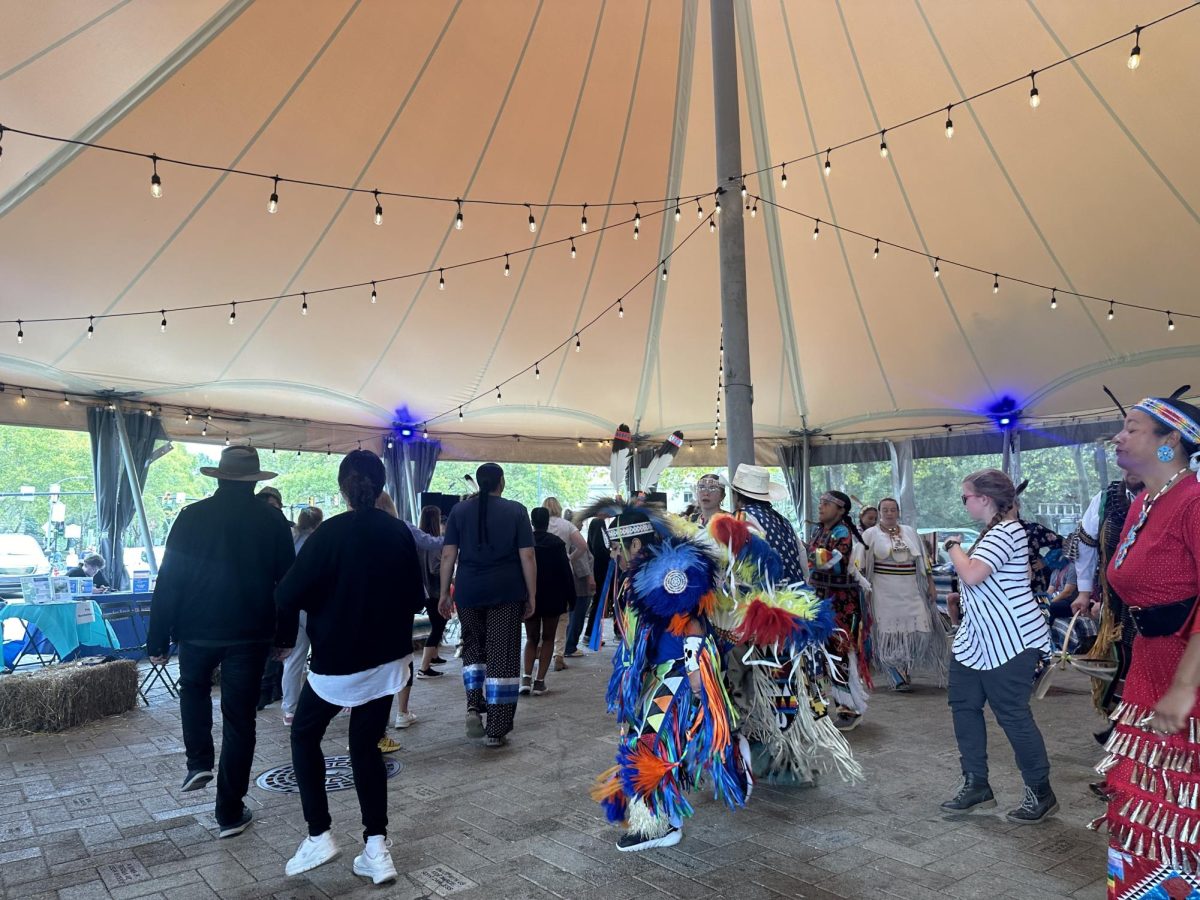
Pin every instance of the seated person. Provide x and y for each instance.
(91, 567)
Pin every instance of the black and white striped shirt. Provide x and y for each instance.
(1001, 618)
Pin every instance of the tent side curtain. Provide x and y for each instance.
(409, 469)
(114, 499)
(791, 461)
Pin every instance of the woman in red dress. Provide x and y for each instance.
(1153, 765)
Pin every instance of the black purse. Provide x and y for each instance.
(1163, 620)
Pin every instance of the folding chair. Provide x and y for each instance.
(131, 612)
(157, 674)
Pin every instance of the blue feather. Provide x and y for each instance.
(758, 552)
(662, 567)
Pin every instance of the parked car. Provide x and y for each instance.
(20, 555)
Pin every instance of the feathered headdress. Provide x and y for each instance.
(622, 444)
(674, 578)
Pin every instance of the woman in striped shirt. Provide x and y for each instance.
(996, 650)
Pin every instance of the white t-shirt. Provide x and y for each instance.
(1086, 556)
(1001, 618)
(362, 687)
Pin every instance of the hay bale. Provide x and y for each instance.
(68, 694)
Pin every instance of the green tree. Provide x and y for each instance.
(527, 483)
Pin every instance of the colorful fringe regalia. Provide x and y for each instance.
(673, 738)
(779, 671)
(830, 554)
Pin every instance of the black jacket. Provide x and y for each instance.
(359, 580)
(555, 583)
(223, 558)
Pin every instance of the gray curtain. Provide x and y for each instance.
(114, 499)
(791, 461)
(902, 480)
(409, 468)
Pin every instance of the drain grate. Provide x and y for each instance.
(338, 775)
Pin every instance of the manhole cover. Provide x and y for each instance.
(338, 775)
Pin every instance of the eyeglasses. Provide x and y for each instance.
(709, 489)
(966, 497)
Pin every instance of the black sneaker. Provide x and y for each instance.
(437, 661)
(1039, 802)
(974, 793)
(632, 842)
(196, 779)
(429, 673)
(228, 831)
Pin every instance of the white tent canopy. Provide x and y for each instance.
(1095, 192)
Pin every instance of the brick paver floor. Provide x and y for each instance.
(96, 813)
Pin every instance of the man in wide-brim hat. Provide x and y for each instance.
(215, 599)
(753, 493)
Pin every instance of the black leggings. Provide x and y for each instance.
(367, 725)
(437, 625)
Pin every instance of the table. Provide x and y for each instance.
(56, 623)
(131, 632)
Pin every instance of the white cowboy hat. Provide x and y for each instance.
(755, 482)
(238, 464)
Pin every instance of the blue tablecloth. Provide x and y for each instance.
(56, 622)
(131, 632)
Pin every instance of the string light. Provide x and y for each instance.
(507, 268)
(273, 203)
(458, 218)
(22, 398)
(378, 209)
(532, 220)
(937, 272)
(828, 165)
(374, 293)
(883, 150)
(1170, 322)
(1035, 99)
(817, 230)
(716, 205)
(996, 284)
(754, 208)
(66, 400)
(578, 343)
(20, 332)
(677, 214)
(578, 442)
(620, 310)
(875, 255)
(425, 431)
(1054, 298)
(1111, 312)
(91, 327)
(497, 393)
(583, 219)
(537, 370)
(782, 184)
(572, 248)
(232, 313)
(460, 413)
(1135, 55)
(227, 439)
(637, 222)
(188, 418)
(204, 430)
(712, 225)
(949, 124)
(744, 192)
(441, 279)
(155, 181)
(304, 303)
(162, 326)
(699, 210)
(664, 270)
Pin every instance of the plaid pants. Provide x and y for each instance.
(491, 637)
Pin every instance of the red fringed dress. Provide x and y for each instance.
(1154, 816)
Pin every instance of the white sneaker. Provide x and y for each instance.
(375, 862)
(403, 720)
(313, 852)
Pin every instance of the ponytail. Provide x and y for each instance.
(488, 477)
(997, 487)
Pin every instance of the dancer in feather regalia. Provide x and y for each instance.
(780, 675)
(678, 726)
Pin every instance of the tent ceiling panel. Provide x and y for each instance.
(548, 103)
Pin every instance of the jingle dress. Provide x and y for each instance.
(1154, 815)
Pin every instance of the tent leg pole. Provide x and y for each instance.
(739, 393)
(135, 489)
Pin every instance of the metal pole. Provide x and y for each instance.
(805, 485)
(136, 490)
(739, 393)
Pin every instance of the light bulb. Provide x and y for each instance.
(425, 432)
(579, 442)
(1170, 322)
(507, 270)
(754, 208)
(996, 284)
(572, 248)
(1035, 99)
(532, 220)
(664, 271)
(188, 417)
(883, 150)
(162, 326)
(458, 218)
(22, 398)
(699, 210)
(676, 209)
(620, 310)
(441, 280)
(828, 165)
(937, 272)
(232, 313)
(1135, 55)
(583, 219)
(712, 226)
(949, 125)
(374, 293)
(717, 206)
(1054, 298)
(782, 178)
(204, 430)
(460, 414)
(537, 371)
(744, 189)
(1111, 312)
(378, 210)
(273, 203)
(875, 255)
(91, 327)
(497, 392)
(20, 332)
(155, 186)
(67, 401)
(304, 305)
(817, 230)
(578, 344)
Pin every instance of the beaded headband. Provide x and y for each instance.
(1171, 417)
